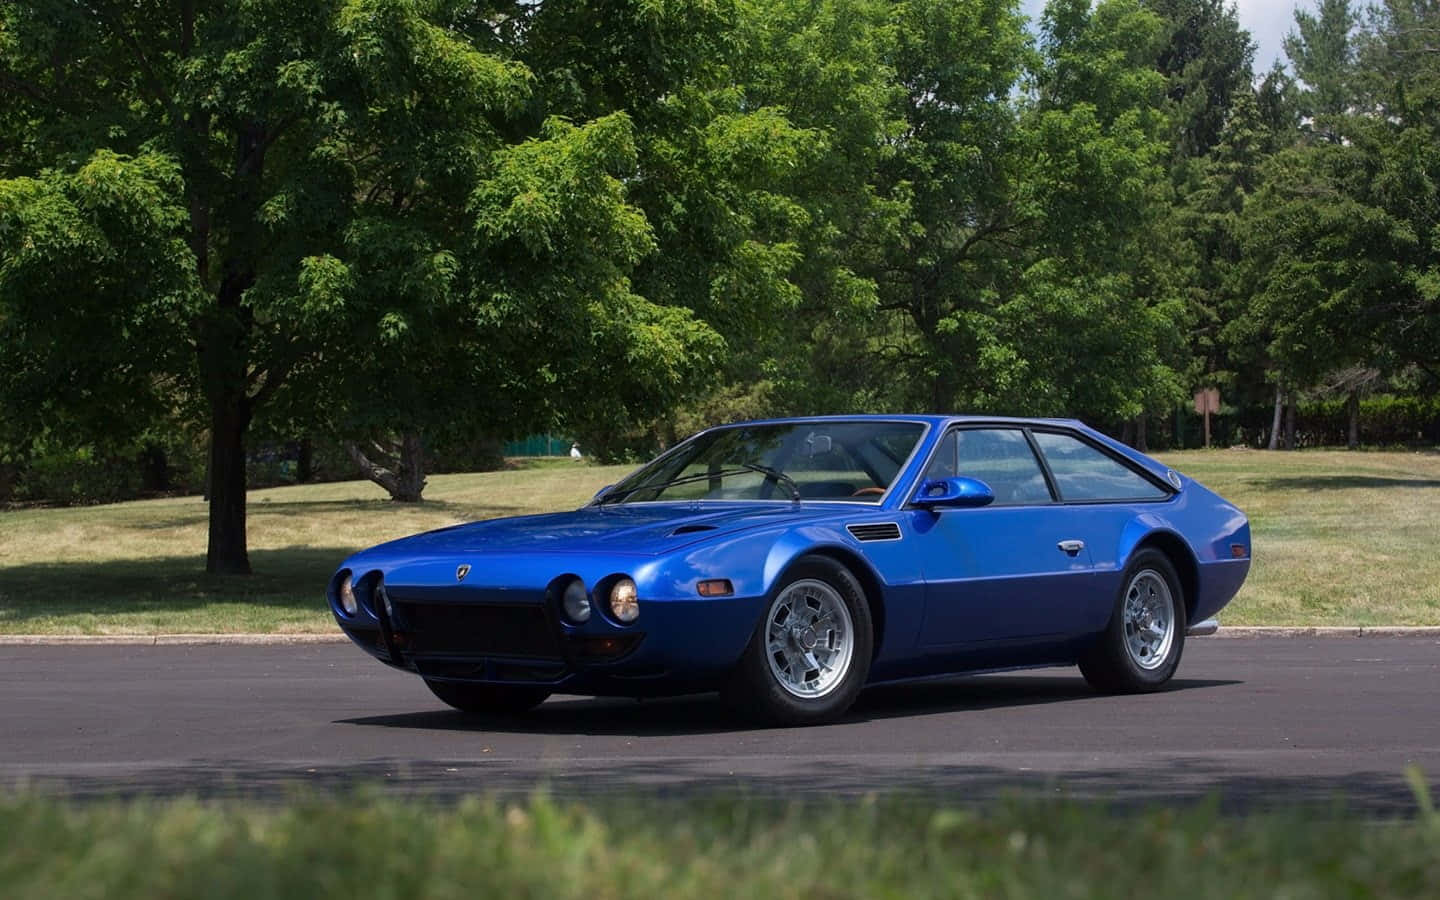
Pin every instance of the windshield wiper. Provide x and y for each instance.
(768, 472)
(684, 479)
(775, 475)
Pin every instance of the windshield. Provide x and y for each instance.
(854, 461)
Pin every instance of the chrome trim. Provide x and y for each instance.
(1203, 629)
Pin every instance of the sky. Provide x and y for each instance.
(1268, 21)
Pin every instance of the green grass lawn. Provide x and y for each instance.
(1340, 539)
(715, 847)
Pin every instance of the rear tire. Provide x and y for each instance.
(488, 699)
(810, 653)
(1141, 646)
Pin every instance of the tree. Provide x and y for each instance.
(1206, 59)
(1322, 54)
(287, 152)
(94, 286)
(734, 173)
(1076, 330)
(1340, 240)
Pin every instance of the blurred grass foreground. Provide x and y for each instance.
(721, 846)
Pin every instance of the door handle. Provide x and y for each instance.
(1073, 548)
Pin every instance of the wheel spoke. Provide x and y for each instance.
(1149, 620)
(808, 635)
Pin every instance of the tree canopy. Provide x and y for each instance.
(407, 223)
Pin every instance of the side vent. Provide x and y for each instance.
(691, 529)
(879, 531)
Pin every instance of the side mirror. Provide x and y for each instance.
(600, 493)
(954, 492)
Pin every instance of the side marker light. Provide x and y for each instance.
(715, 587)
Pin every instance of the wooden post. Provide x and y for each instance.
(1207, 401)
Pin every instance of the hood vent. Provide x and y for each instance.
(879, 531)
(691, 529)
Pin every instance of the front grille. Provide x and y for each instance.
(878, 531)
(485, 629)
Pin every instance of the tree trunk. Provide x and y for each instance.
(1275, 421)
(404, 478)
(228, 553)
(305, 461)
(1142, 443)
(412, 468)
(1352, 406)
(1127, 432)
(154, 469)
(1290, 423)
(223, 354)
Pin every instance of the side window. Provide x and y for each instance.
(1084, 473)
(1000, 457)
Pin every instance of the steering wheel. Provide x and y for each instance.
(868, 491)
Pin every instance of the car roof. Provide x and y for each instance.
(924, 418)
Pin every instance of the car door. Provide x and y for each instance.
(1102, 496)
(1011, 570)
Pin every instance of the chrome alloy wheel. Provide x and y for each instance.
(809, 638)
(1149, 619)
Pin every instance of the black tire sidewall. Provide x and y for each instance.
(1148, 679)
(755, 688)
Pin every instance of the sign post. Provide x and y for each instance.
(1207, 401)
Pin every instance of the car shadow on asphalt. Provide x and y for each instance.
(707, 714)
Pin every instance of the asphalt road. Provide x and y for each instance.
(1261, 722)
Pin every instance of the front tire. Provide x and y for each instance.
(810, 653)
(1140, 648)
(488, 699)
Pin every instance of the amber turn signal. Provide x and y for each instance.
(715, 587)
(1237, 551)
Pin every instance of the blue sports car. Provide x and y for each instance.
(789, 563)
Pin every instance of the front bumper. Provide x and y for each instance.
(675, 646)
(1203, 629)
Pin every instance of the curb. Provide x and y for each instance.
(1326, 631)
(257, 640)
(170, 640)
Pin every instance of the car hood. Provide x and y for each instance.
(644, 529)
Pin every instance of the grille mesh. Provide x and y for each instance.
(491, 629)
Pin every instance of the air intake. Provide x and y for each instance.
(879, 531)
(691, 529)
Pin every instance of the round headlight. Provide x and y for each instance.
(575, 602)
(624, 602)
(347, 596)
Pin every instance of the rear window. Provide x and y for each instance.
(1085, 473)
